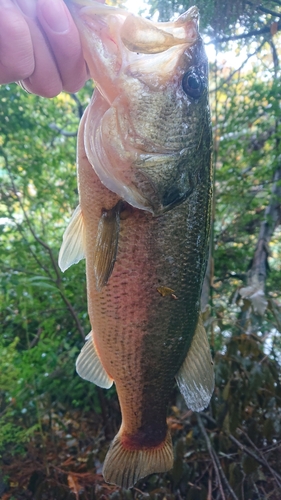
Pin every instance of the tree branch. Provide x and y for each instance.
(53, 126)
(240, 67)
(58, 280)
(249, 34)
(80, 107)
(257, 273)
(268, 11)
(216, 463)
(259, 267)
(258, 459)
(263, 458)
(275, 58)
(17, 224)
(73, 313)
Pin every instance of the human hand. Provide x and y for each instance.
(40, 46)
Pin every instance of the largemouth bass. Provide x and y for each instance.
(145, 187)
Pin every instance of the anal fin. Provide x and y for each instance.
(89, 365)
(106, 246)
(73, 244)
(196, 376)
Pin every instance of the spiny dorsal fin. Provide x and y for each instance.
(196, 376)
(73, 244)
(106, 246)
(89, 365)
(124, 467)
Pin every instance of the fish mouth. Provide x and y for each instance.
(138, 34)
(146, 37)
(115, 41)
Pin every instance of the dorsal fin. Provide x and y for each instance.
(196, 376)
(106, 246)
(73, 244)
(89, 365)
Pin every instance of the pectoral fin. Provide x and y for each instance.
(73, 244)
(196, 376)
(106, 246)
(89, 365)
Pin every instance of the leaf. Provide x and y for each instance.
(165, 291)
(249, 464)
(73, 485)
(43, 282)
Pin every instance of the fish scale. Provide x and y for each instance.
(168, 129)
(145, 187)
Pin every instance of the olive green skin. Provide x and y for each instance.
(175, 141)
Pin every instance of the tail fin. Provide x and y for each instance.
(124, 467)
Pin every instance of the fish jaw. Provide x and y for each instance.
(113, 40)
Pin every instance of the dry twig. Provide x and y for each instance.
(216, 463)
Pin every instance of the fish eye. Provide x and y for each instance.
(192, 84)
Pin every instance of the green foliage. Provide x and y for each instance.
(39, 341)
(248, 127)
(15, 435)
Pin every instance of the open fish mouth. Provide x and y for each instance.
(138, 35)
(142, 35)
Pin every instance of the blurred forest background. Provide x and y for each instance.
(55, 428)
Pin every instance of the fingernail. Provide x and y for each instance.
(28, 7)
(55, 15)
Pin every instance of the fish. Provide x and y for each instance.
(144, 163)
